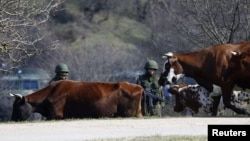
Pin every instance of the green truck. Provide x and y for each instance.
(24, 81)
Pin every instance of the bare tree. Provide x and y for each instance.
(23, 30)
(198, 23)
(99, 63)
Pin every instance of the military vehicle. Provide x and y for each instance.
(24, 81)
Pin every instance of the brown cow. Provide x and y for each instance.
(76, 99)
(224, 65)
(196, 97)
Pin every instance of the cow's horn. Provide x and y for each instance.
(234, 52)
(169, 54)
(16, 95)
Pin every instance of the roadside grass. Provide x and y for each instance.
(157, 138)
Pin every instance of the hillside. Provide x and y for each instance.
(112, 42)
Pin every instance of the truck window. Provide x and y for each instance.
(20, 85)
(30, 84)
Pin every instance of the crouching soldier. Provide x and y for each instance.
(155, 100)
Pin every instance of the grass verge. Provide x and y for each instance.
(157, 138)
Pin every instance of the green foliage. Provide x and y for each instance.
(101, 38)
(117, 31)
(72, 7)
(125, 27)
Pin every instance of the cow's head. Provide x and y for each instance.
(191, 96)
(21, 109)
(238, 69)
(180, 100)
(172, 70)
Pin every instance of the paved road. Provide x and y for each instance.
(79, 130)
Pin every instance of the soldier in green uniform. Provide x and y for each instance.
(149, 81)
(61, 71)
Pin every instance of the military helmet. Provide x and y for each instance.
(61, 68)
(151, 64)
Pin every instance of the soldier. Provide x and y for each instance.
(149, 81)
(61, 71)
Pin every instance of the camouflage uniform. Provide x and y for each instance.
(61, 71)
(150, 82)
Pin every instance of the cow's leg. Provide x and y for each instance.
(58, 109)
(54, 114)
(59, 113)
(139, 114)
(139, 109)
(216, 102)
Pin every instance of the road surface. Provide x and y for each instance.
(88, 129)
